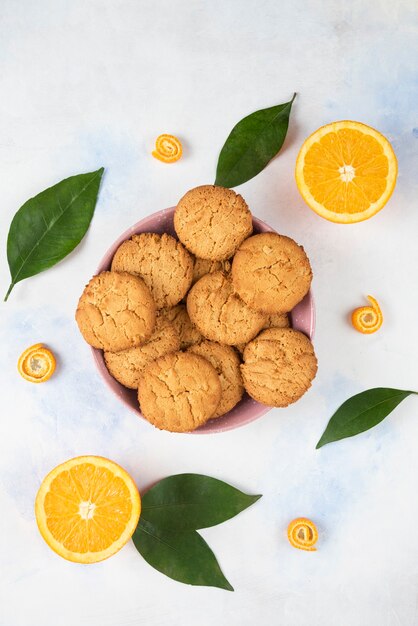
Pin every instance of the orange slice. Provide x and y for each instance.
(346, 171)
(167, 148)
(87, 509)
(36, 364)
(302, 534)
(367, 319)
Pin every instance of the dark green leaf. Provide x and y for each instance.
(361, 412)
(192, 501)
(49, 226)
(183, 556)
(252, 143)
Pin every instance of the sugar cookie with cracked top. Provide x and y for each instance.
(161, 261)
(179, 392)
(279, 366)
(277, 320)
(128, 366)
(227, 364)
(271, 273)
(116, 311)
(178, 316)
(212, 222)
(206, 266)
(219, 313)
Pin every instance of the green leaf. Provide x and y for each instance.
(183, 556)
(252, 143)
(361, 412)
(49, 226)
(192, 501)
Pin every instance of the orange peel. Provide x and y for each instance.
(168, 148)
(36, 364)
(302, 534)
(367, 319)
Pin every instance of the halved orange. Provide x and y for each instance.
(346, 171)
(87, 509)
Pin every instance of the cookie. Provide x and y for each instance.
(219, 313)
(179, 392)
(161, 261)
(277, 320)
(271, 273)
(128, 366)
(227, 364)
(279, 366)
(116, 311)
(206, 266)
(178, 316)
(212, 222)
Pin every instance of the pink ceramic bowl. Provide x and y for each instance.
(248, 410)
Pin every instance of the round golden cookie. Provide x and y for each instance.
(227, 364)
(206, 266)
(128, 366)
(179, 392)
(271, 273)
(219, 313)
(279, 366)
(277, 320)
(178, 316)
(116, 311)
(161, 261)
(212, 222)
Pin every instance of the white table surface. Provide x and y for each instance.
(90, 83)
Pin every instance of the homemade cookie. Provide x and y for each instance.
(271, 273)
(206, 266)
(227, 364)
(178, 316)
(279, 366)
(212, 222)
(161, 261)
(219, 313)
(277, 320)
(116, 311)
(129, 365)
(179, 392)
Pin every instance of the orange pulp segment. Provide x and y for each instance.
(167, 148)
(87, 509)
(346, 171)
(367, 319)
(36, 364)
(302, 534)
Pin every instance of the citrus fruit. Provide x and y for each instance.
(167, 148)
(367, 319)
(302, 534)
(87, 509)
(36, 364)
(346, 171)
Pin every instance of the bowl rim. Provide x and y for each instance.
(221, 424)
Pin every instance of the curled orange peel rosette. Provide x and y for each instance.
(367, 319)
(302, 534)
(167, 148)
(36, 364)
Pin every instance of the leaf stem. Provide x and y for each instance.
(8, 291)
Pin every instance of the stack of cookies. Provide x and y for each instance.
(193, 324)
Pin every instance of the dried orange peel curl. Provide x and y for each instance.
(167, 148)
(36, 364)
(367, 319)
(302, 534)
